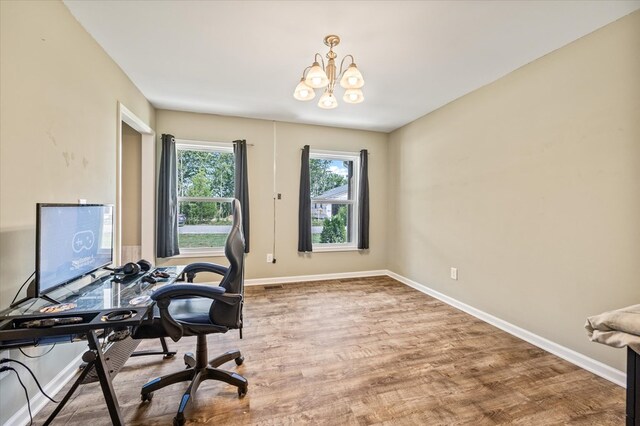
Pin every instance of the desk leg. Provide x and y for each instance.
(165, 351)
(64, 401)
(105, 380)
(633, 388)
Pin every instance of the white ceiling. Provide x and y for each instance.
(244, 58)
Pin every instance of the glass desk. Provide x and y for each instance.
(93, 305)
(99, 295)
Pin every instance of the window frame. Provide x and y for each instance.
(340, 156)
(204, 146)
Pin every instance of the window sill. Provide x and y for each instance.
(199, 253)
(320, 249)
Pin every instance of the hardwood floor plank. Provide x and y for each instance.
(363, 351)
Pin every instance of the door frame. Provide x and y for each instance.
(148, 178)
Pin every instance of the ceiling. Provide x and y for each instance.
(244, 58)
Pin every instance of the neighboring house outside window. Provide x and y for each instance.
(334, 197)
(205, 192)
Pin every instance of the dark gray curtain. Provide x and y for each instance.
(304, 209)
(363, 202)
(167, 229)
(242, 186)
(350, 207)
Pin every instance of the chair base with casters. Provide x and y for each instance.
(199, 368)
(183, 310)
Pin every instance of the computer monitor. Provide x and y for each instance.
(72, 240)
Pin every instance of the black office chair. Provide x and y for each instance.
(198, 310)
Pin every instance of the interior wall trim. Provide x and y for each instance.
(148, 181)
(21, 417)
(317, 277)
(596, 367)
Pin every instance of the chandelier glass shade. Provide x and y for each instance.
(327, 101)
(303, 91)
(353, 96)
(352, 78)
(317, 76)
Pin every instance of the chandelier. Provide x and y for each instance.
(319, 77)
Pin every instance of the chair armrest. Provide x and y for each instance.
(192, 269)
(181, 291)
(173, 291)
(163, 297)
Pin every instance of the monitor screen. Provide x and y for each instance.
(72, 240)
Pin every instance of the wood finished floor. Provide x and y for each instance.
(362, 352)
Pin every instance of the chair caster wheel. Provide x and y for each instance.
(242, 391)
(179, 420)
(146, 397)
(239, 360)
(189, 360)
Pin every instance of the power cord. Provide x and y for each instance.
(5, 360)
(26, 394)
(21, 287)
(37, 356)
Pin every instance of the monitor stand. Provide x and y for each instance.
(49, 299)
(31, 294)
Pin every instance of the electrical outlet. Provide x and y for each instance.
(82, 201)
(269, 257)
(454, 273)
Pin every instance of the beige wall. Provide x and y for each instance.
(131, 186)
(58, 101)
(290, 138)
(530, 187)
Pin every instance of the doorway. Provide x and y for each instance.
(135, 190)
(131, 195)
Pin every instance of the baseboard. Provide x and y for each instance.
(318, 277)
(596, 367)
(21, 417)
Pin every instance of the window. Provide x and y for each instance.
(334, 196)
(205, 192)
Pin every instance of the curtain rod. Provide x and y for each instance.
(193, 140)
(368, 153)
